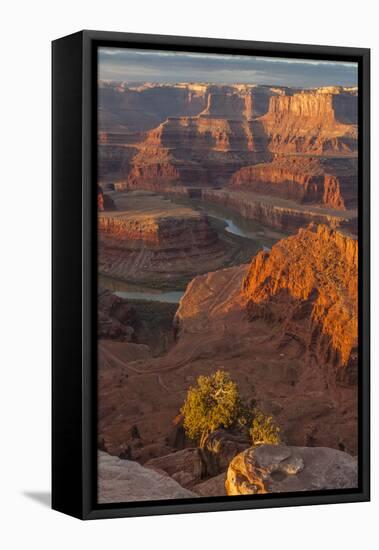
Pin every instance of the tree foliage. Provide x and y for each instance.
(263, 430)
(213, 403)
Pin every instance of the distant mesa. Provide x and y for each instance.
(319, 180)
(205, 137)
(319, 122)
(148, 240)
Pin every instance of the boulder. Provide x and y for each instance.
(220, 448)
(281, 469)
(212, 487)
(184, 466)
(127, 481)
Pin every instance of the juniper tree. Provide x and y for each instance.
(213, 403)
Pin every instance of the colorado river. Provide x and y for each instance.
(232, 223)
(235, 224)
(139, 292)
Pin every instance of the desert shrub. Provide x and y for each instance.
(213, 403)
(263, 430)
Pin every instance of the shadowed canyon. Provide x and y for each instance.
(227, 241)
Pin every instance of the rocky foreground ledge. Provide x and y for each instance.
(127, 481)
(280, 469)
(256, 470)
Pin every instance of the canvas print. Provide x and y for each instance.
(227, 313)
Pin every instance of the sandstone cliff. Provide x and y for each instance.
(239, 102)
(328, 182)
(317, 121)
(283, 214)
(137, 321)
(128, 109)
(307, 284)
(244, 126)
(151, 241)
(114, 161)
(201, 150)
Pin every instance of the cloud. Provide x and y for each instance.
(168, 66)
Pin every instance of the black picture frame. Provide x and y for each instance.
(74, 89)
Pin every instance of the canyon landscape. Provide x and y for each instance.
(227, 281)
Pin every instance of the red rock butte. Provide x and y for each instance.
(308, 284)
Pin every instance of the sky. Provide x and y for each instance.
(124, 64)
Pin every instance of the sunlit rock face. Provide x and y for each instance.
(307, 180)
(289, 318)
(322, 121)
(307, 284)
(280, 469)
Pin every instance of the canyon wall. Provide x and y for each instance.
(238, 102)
(196, 150)
(284, 215)
(308, 284)
(128, 109)
(209, 148)
(113, 160)
(304, 179)
(312, 122)
(209, 136)
(161, 249)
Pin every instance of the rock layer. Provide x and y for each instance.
(311, 122)
(201, 150)
(138, 108)
(151, 241)
(243, 126)
(280, 469)
(137, 321)
(307, 285)
(283, 214)
(332, 183)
